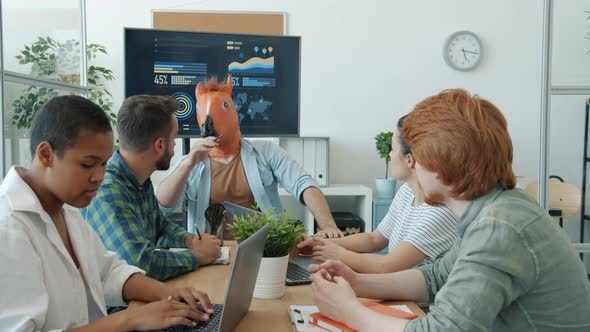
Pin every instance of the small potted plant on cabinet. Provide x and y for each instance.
(384, 186)
(283, 234)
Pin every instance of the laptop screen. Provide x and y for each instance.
(242, 280)
(236, 210)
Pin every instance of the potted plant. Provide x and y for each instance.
(384, 186)
(283, 234)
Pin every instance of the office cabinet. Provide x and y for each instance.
(312, 153)
(340, 197)
(380, 208)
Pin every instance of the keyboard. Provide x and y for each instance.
(212, 325)
(297, 275)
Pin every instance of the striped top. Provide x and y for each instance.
(430, 229)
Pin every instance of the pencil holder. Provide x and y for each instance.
(215, 216)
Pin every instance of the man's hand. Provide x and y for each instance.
(330, 232)
(199, 150)
(324, 249)
(337, 269)
(207, 249)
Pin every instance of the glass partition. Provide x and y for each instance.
(43, 55)
(21, 101)
(570, 81)
(43, 39)
(566, 143)
(571, 43)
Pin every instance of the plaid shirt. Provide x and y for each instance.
(126, 216)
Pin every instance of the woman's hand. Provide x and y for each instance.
(324, 250)
(163, 314)
(190, 296)
(334, 296)
(334, 269)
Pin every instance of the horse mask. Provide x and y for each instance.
(217, 116)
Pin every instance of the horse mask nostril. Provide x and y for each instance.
(207, 128)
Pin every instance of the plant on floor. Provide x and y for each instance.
(383, 145)
(46, 56)
(283, 233)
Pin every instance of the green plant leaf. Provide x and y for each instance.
(283, 233)
(383, 146)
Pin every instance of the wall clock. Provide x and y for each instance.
(462, 50)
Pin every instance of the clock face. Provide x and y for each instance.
(462, 50)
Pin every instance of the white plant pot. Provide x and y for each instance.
(270, 283)
(385, 188)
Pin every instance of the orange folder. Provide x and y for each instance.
(327, 324)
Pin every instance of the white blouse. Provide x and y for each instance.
(41, 287)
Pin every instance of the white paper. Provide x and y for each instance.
(222, 259)
(402, 307)
(306, 310)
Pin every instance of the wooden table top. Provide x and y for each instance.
(264, 315)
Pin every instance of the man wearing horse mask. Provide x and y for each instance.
(225, 167)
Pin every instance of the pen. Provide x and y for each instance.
(198, 233)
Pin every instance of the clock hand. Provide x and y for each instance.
(463, 50)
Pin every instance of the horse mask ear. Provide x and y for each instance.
(199, 90)
(229, 85)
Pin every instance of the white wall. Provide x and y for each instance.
(365, 64)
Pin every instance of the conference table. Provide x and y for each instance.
(264, 315)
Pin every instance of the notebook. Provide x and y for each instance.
(328, 324)
(301, 319)
(222, 259)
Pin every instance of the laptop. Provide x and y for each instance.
(240, 288)
(297, 273)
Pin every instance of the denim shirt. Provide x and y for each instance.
(512, 269)
(265, 165)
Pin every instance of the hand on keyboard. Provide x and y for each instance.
(163, 314)
(203, 326)
(191, 296)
